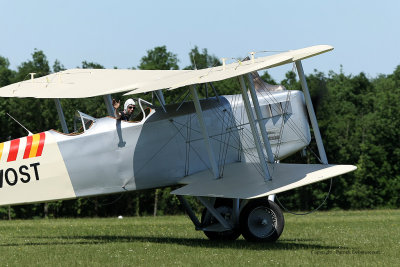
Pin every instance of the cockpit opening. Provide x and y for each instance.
(82, 122)
(142, 112)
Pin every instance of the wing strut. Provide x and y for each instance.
(109, 106)
(311, 112)
(160, 97)
(256, 137)
(61, 115)
(260, 120)
(200, 117)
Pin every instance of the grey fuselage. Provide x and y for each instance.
(114, 156)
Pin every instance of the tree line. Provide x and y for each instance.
(358, 116)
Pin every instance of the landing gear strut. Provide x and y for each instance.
(223, 206)
(259, 220)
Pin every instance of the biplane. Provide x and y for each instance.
(224, 150)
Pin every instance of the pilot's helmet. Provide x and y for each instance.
(128, 102)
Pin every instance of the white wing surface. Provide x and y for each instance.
(242, 180)
(79, 83)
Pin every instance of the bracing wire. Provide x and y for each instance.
(296, 130)
(292, 125)
(312, 211)
(219, 116)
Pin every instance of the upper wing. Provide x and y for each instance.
(79, 83)
(236, 69)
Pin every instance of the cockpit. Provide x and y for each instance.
(142, 112)
(83, 122)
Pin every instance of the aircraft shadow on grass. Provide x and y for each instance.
(284, 244)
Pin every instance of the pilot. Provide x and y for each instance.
(129, 108)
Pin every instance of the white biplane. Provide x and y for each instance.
(224, 150)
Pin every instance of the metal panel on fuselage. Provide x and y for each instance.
(285, 119)
(113, 156)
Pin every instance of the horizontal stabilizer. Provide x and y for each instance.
(243, 180)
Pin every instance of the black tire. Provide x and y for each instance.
(261, 220)
(225, 207)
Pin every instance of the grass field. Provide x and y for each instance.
(349, 238)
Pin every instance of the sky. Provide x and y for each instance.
(365, 34)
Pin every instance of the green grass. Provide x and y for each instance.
(349, 238)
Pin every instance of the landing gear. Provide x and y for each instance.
(258, 220)
(224, 207)
(261, 220)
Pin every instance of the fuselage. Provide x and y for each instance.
(114, 156)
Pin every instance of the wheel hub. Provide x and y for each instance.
(262, 222)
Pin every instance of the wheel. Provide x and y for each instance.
(261, 220)
(224, 206)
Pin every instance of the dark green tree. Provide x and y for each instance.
(38, 65)
(91, 65)
(159, 58)
(6, 74)
(267, 78)
(202, 60)
(57, 66)
(6, 77)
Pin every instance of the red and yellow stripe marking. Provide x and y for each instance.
(14, 146)
(34, 147)
(1, 149)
